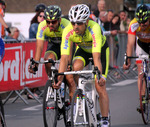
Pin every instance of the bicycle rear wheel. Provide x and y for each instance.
(77, 112)
(144, 101)
(50, 108)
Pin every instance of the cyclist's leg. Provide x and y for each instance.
(140, 76)
(139, 51)
(71, 85)
(80, 60)
(52, 52)
(103, 95)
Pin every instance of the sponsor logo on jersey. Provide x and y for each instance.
(134, 27)
(66, 39)
(41, 31)
(93, 36)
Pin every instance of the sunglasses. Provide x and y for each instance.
(78, 23)
(41, 16)
(53, 22)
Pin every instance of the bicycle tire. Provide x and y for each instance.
(78, 94)
(2, 117)
(144, 106)
(50, 108)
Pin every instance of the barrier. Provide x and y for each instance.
(14, 73)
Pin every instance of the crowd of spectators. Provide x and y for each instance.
(112, 23)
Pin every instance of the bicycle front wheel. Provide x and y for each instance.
(79, 110)
(50, 108)
(144, 101)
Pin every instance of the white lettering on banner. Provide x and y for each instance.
(11, 67)
(1, 71)
(14, 68)
(6, 67)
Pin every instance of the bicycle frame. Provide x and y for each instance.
(91, 103)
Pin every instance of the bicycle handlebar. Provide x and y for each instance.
(94, 71)
(134, 57)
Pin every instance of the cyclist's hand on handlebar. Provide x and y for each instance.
(57, 85)
(101, 82)
(32, 68)
(126, 67)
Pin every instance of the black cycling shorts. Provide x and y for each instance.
(84, 56)
(55, 49)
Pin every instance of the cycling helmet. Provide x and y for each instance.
(52, 12)
(39, 7)
(142, 13)
(79, 13)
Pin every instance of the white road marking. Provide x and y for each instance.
(33, 108)
(125, 82)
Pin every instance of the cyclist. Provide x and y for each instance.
(51, 28)
(88, 36)
(139, 29)
(2, 46)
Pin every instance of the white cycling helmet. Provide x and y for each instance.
(79, 13)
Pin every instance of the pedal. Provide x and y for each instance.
(98, 116)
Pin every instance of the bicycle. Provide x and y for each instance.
(144, 99)
(55, 105)
(90, 115)
(2, 117)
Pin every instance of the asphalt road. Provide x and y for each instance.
(123, 103)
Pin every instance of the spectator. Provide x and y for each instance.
(100, 7)
(39, 17)
(14, 33)
(107, 24)
(115, 25)
(2, 22)
(115, 22)
(123, 17)
(101, 20)
(39, 7)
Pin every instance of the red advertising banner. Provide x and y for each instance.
(14, 73)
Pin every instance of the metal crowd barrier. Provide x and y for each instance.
(116, 63)
(19, 92)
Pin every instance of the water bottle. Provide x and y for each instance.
(62, 90)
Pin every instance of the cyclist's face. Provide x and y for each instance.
(53, 24)
(79, 27)
(145, 25)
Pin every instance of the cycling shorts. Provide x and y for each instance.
(55, 49)
(142, 48)
(2, 49)
(84, 56)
